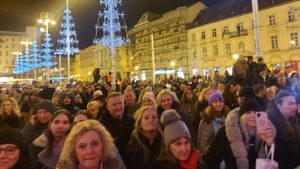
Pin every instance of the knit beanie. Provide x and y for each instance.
(149, 95)
(214, 96)
(47, 93)
(249, 104)
(174, 127)
(12, 136)
(47, 105)
(246, 91)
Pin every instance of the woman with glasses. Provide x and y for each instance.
(14, 154)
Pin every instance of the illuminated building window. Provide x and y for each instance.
(203, 35)
(294, 39)
(228, 48)
(195, 53)
(241, 46)
(225, 30)
(204, 52)
(291, 15)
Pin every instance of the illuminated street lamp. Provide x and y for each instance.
(235, 56)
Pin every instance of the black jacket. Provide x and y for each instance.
(31, 132)
(134, 158)
(120, 130)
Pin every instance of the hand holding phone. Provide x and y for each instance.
(261, 122)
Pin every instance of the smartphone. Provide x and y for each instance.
(261, 122)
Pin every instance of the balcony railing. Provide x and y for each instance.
(238, 33)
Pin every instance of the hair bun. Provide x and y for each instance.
(169, 116)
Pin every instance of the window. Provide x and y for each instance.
(214, 33)
(294, 39)
(291, 14)
(228, 48)
(216, 52)
(193, 37)
(195, 53)
(203, 35)
(204, 52)
(225, 30)
(241, 46)
(240, 27)
(274, 42)
(272, 20)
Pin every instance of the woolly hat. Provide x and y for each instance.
(47, 105)
(149, 95)
(246, 91)
(12, 136)
(47, 93)
(174, 127)
(214, 96)
(249, 104)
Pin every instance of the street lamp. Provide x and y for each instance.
(235, 56)
(46, 18)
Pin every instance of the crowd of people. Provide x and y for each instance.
(205, 123)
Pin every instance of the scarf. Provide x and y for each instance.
(191, 162)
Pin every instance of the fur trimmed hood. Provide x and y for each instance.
(238, 138)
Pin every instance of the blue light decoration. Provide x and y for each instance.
(27, 66)
(68, 42)
(47, 53)
(35, 55)
(18, 67)
(111, 29)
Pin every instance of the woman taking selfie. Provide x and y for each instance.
(238, 143)
(177, 152)
(90, 146)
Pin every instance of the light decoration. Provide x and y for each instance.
(68, 42)
(18, 67)
(47, 53)
(27, 66)
(111, 29)
(35, 55)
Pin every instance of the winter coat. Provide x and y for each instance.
(191, 107)
(31, 132)
(239, 70)
(70, 107)
(207, 131)
(12, 121)
(135, 157)
(132, 109)
(120, 130)
(287, 151)
(231, 145)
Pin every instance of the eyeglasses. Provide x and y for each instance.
(9, 150)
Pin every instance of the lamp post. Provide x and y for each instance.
(46, 19)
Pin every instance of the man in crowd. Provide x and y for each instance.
(130, 101)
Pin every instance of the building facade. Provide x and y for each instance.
(99, 57)
(224, 30)
(9, 43)
(170, 50)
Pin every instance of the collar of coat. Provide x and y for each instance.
(238, 138)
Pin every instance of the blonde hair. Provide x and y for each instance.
(203, 93)
(15, 106)
(92, 103)
(68, 155)
(166, 91)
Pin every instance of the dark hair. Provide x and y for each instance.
(259, 87)
(83, 112)
(48, 132)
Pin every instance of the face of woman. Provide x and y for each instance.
(166, 101)
(218, 105)
(88, 149)
(149, 121)
(189, 95)
(288, 107)
(94, 110)
(181, 148)
(60, 125)
(79, 118)
(9, 155)
(7, 107)
(147, 102)
(250, 118)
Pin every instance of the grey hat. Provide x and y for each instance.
(174, 127)
(47, 105)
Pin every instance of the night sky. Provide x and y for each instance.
(15, 14)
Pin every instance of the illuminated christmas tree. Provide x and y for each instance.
(35, 55)
(47, 53)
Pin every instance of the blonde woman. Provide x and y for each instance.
(145, 141)
(89, 145)
(10, 113)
